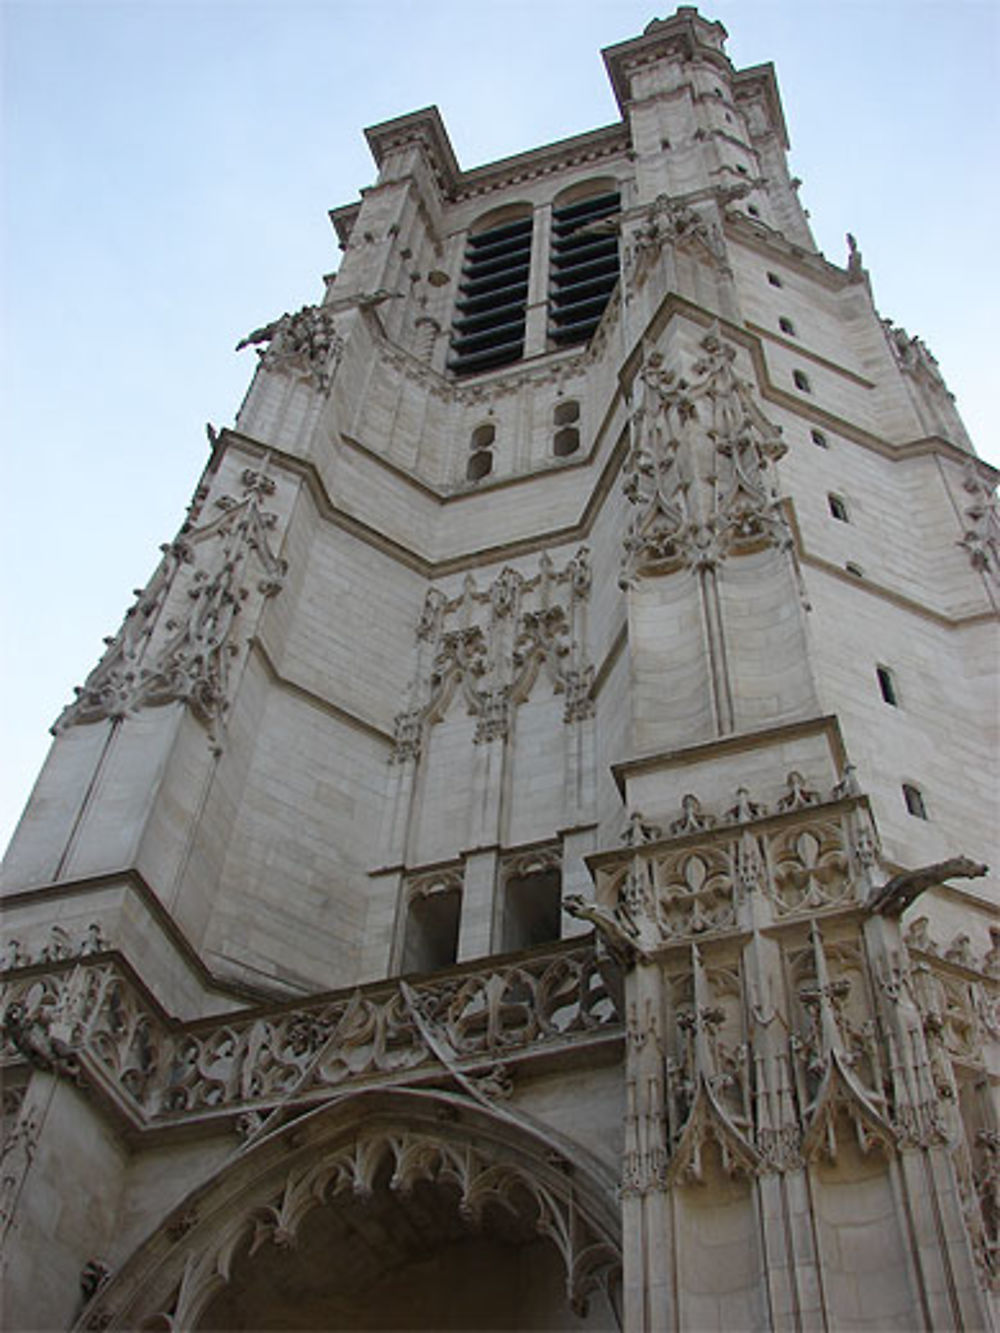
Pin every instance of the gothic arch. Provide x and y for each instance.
(375, 1142)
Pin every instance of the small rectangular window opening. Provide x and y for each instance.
(432, 919)
(914, 800)
(774, 280)
(532, 910)
(838, 507)
(887, 685)
(819, 438)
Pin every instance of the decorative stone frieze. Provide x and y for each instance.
(491, 644)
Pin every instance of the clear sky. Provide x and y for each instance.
(167, 168)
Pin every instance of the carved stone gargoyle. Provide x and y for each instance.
(894, 897)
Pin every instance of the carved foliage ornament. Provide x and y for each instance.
(490, 645)
(699, 474)
(982, 524)
(179, 638)
(675, 223)
(305, 345)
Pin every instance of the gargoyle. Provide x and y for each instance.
(622, 944)
(895, 896)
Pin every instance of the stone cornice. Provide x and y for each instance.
(865, 584)
(424, 129)
(800, 350)
(132, 880)
(352, 720)
(761, 81)
(563, 155)
(828, 725)
(682, 37)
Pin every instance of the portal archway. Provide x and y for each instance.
(383, 1210)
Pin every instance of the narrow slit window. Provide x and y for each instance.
(854, 569)
(801, 381)
(838, 507)
(887, 685)
(819, 439)
(786, 326)
(913, 798)
(774, 280)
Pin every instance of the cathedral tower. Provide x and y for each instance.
(522, 861)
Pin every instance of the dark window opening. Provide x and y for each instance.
(887, 685)
(480, 465)
(488, 330)
(786, 326)
(914, 799)
(566, 441)
(583, 271)
(854, 569)
(432, 919)
(774, 280)
(565, 416)
(819, 438)
(532, 910)
(838, 507)
(801, 381)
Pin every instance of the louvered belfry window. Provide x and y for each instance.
(584, 267)
(489, 324)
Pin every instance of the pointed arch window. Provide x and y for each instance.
(488, 329)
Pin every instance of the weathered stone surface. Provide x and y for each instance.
(503, 870)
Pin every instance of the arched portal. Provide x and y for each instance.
(385, 1210)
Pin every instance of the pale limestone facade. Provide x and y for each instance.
(507, 871)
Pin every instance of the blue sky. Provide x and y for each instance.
(167, 168)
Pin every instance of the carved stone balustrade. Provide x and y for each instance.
(86, 1018)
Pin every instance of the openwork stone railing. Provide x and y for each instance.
(85, 1018)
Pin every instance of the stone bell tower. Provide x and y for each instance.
(523, 860)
